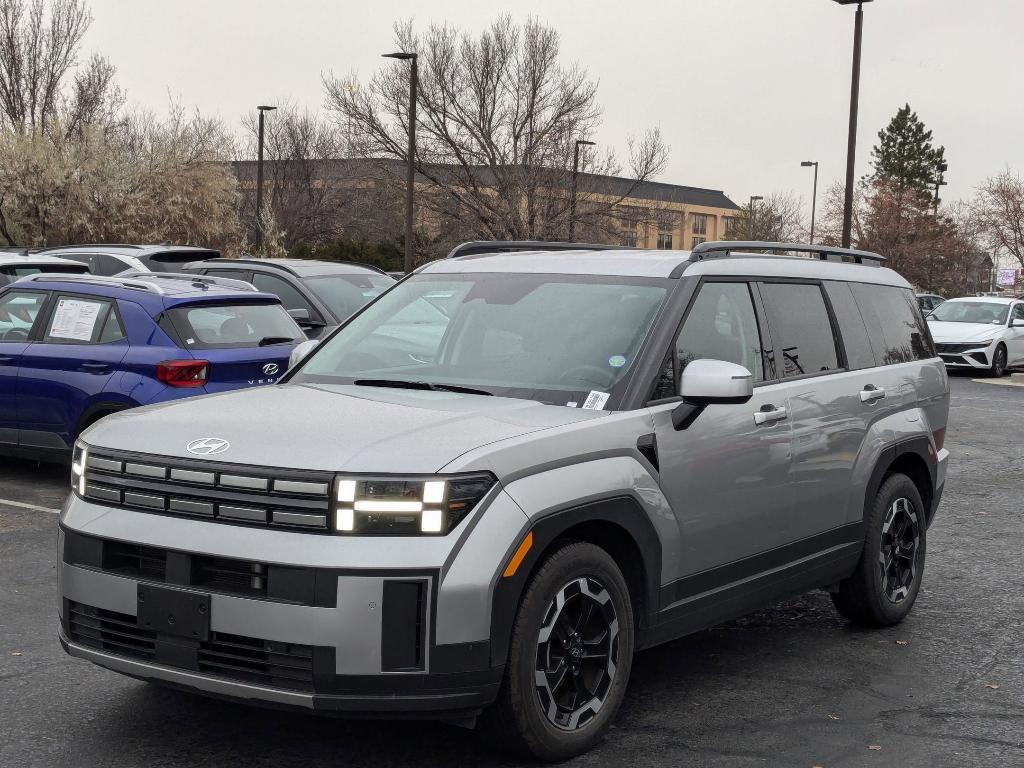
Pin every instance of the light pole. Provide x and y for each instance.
(940, 182)
(750, 215)
(259, 179)
(410, 177)
(575, 176)
(814, 195)
(851, 141)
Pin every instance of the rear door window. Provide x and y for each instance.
(212, 326)
(852, 329)
(895, 325)
(78, 320)
(801, 328)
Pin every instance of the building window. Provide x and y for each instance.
(697, 241)
(700, 223)
(665, 239)
(732, 226)
(629, 234)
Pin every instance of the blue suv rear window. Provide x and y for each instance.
(211, 326)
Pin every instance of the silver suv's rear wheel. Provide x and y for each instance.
(569, 658)
(885, 585)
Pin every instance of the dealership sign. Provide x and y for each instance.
(1006, 277)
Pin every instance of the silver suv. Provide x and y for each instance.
(508, 474)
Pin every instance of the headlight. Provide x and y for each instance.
(78, 458)
(979, 344)
(382, 506)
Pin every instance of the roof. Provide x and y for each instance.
(150, 293)
(356, 168)
(126, 249)
(33, 259)
(297, 267)
(986, 299)
(660, 264)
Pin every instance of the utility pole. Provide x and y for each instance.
(814, 194)
(259, 179)
(572, 193)
(410, 176)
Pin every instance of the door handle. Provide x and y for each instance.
(769, 414)
(870, 393)
(95, 367)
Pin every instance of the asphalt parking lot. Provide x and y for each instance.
(792, 685)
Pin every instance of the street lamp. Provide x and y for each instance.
(259, 179)
(814, 195)
(411, 170)
(575, 175)
(750, 215)
(940, 182)
(851, 141)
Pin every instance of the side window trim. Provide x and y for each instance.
(841, 364)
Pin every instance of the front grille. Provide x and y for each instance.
(225, 493)
(231, 657)
(956, 349)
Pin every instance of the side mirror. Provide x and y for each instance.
(300, 316)
(710, 382)
(301, 352)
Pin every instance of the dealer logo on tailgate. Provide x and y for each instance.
(208, 446)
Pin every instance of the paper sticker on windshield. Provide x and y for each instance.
(74, 319)
(595, 400)
(571, 404)
(616, 361)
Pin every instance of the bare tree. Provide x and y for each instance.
(311, 190)
(95, 98)
(776, 218)
(999, 212)
(498, 117)
(37, 51)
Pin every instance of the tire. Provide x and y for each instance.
(583, 576)
(882, 590)
(998, 368)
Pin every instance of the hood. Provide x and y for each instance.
(942, 332)
(334, 428)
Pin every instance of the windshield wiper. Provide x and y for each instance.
(268, 340)
(428, 385)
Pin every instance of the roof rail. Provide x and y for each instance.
(113, 282)
(715, 250)
(246, 260)
(196, 280)
(484, 247)
(90, 245)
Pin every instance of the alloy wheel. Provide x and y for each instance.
(901, 542)
(577, 653)
(999, 364)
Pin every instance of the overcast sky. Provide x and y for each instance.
(743, 90)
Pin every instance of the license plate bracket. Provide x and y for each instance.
(174, 612)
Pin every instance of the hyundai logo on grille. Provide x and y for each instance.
(208, 446)
(270, 369)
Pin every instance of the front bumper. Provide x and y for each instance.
(978, 358)
(402, 628)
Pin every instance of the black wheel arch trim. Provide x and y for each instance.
(919, 445)
(623, 510)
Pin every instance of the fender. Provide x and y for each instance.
(622, 510)
(919, 445)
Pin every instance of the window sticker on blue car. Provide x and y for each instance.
(596, 400)
(74, 319)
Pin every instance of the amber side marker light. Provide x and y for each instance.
(519, 556)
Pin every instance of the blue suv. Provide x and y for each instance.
(76, 348)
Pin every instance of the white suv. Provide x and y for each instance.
(985, 333)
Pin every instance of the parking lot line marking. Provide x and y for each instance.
(23, 505)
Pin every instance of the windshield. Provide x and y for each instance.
(554, 338)
(344, 294)
(234, 325)
(988, 312)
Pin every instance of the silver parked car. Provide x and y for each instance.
(508, 474)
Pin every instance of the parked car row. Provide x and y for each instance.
(87, 331)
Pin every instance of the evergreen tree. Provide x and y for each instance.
(905, 156)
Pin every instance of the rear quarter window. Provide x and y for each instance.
(896, 328)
